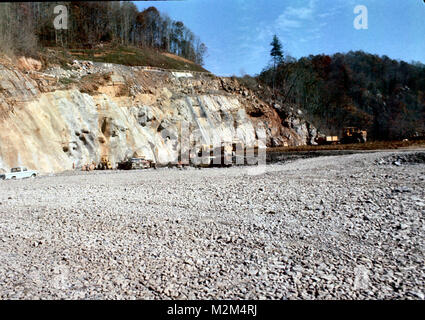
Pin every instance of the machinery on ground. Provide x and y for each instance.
(327, 140)
(353, 135)
(349, 135)
(136, 163)
(104, 164)
(210, 156)
(89, 166)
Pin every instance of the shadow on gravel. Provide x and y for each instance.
(280, 157)
(399, 159)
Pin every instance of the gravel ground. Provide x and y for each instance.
(341, 227)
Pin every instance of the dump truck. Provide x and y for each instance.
(353, 135)
(136, 163)
(326, 140)
(140, 163)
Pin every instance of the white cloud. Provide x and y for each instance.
(298, 24)
(300, 13)
(285, 24)
(330, 12)
(294, 18)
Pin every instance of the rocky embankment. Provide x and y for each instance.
(337, 227)
(64, 117)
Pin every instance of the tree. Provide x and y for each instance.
(201, 50)
(277, 55)
(276, 52)
(25, 25)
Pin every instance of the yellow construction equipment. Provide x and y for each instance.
(353, 135)
(104, 164)
(324, 140)
(138, 161)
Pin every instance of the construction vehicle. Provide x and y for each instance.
(326, 140)
(140, 163)
(88, 166)
(212, 156)
(353, 135)
(104, 164)
(332, 139)
(136, 163)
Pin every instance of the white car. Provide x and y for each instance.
(19, 173)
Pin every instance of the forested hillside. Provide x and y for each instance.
(382, 95)
(27, 26)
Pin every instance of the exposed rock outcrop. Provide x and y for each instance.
(59, 119)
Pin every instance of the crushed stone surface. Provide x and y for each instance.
(337, 227)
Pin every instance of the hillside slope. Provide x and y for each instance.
(125, 55)
(382, 95)
(61, 118)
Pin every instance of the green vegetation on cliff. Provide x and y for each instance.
(125, 55)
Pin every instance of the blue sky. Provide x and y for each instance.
(238, 32)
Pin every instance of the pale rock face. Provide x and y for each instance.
(28, 64)
(62, 129)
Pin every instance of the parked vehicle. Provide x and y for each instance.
(136, 163)
(18, 173)
(327, 140)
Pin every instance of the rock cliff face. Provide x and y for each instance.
(60, 119)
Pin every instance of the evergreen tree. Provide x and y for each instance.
(276, 52)
(277, 55)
